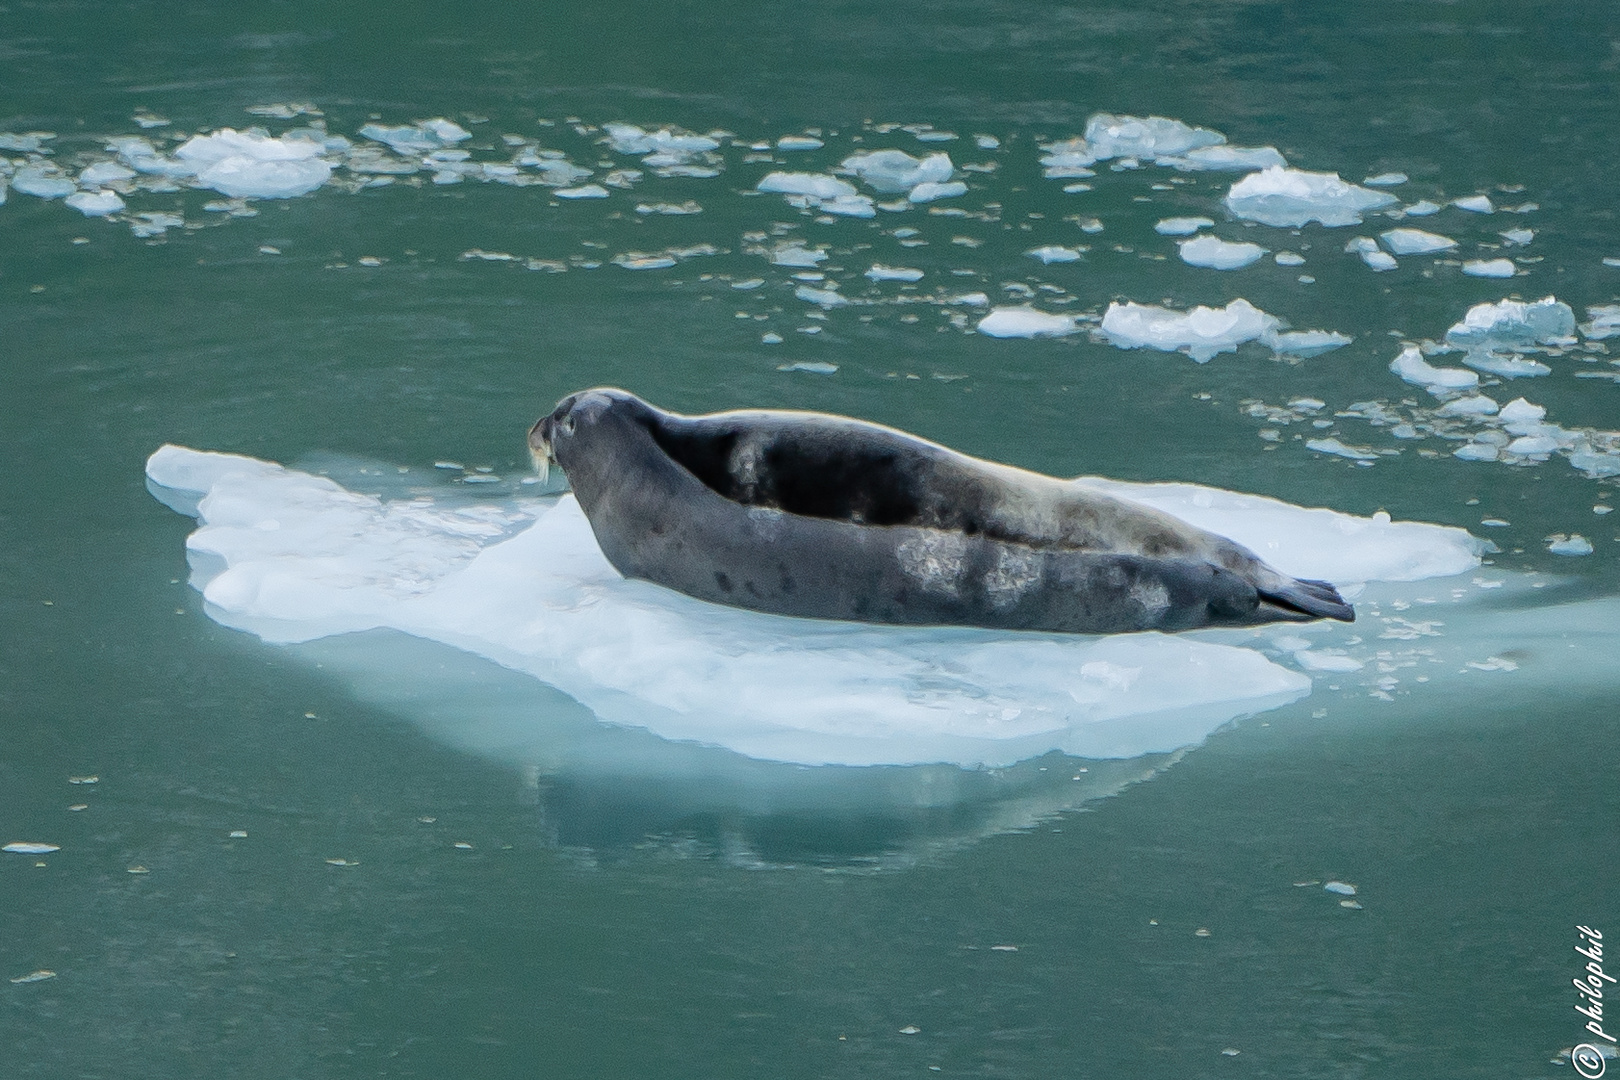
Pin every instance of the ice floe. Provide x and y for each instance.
(1201, 333)
(1478, 204)
(95, 203)
(1024, 321)
(1182, 226)
(1371, 254)
(1412, 368)
(1291, 198)
(293, 557)
(1514, 324)
(1415, 242)
(891, 172)
(1218, 254)
(1489, 268)
(1054, 253)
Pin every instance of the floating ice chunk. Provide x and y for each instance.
(95, 203)
(972, 299)
(928, 191)
(1290, 198)
(893, 171)
(1024, 321)
(100, 173)
(544, 602)
(1227, 159)
(1370, 254)
(796, 254)
(1570, 545)
(1513, 323)
(587, 191)
(156, 223)
(630, 139)
(1605, 322)
(28, 143)
(1415, 242)
(203, 150)
(416, 138)
(824, 298)
(1491, 268)
(1152, 137)
(1519, 411)
(799, 142)
(893, 273)
(1389, 179)
(816, 185)
(1531, 446)
(1327, 662)
(1412, 368)
(1518, 237)
(1475, 405)
(1201, 333)
(42, 181)
(1422, 208)
(986, 142)
(1305, 343)
(1340, 888)
(1477, 451)
(1288, 258)
(1053, 253)
(1182, 226)
(1339, 449)
(1218, 254)
(849, 206)
(247, 177)
(813, 367)
(1509, 367)
(1478, 204)
(24, 848)
(634, 261)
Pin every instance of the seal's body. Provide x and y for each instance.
(832, 518)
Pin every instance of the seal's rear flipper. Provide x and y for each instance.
(1297, 600)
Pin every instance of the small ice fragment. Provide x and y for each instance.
(814, 367)
(1288, 258)
(137, 869)
(1416, 242)
(749, 283)
(95, 203)
(1182, 226)
(1478, 204)
(1151, 137)
(1605, 322)
(266, 249)
(1218, 254)
(986, 142)
(1389, 179)
(1489, 268)
(1494, 663)
(849, 206)
(1340, 887)
(1339, 449)
(1412, 368)
(1475, 405)
(587, 191)
(84, 779)
(1422, 208)
(1003, 948)
(936, 136)
(825, 298)
(1370, 254)
(1025, 321)
(1334, 663)
(633, 261)
(1202, 931)
(238, 834)
(816, 185)
(1571, 545)
(928, 191)
(1053, 253)
(1531, 446)
(34, 976)
(910, 1029)
(799, 142)
(1601, 509)
(1610, 260)
(1305, 343)
(1226, 159)
(100, 173)
(1307, 404)
(42, 182)
(1075, 189)
(1291, 198)
(1352, 904)
(1202, 332)
(448, 465)
(771, 338)
(893, 273)
(1518, 237)
(24, 848)
(894, 171)
(1231, 1051)
(972, 299)
(796, 254)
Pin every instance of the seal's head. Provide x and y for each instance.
(554, 437)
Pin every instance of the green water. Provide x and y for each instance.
(618, 910)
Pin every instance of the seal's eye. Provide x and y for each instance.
(566, 426)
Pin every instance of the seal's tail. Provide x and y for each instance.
(1300, 600)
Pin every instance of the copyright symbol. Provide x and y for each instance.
(1588, 1061)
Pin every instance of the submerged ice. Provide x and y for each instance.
(294, 557)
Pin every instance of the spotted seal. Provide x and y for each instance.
(829, 517)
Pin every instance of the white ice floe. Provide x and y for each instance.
(1054, 253)
(1024, 321)
(249, 164)
(1514, 324)
(880, 272)
(1226, 159)
(816, 185)
(1475, 405)
(23, 847)
(1422, 208)
(1339, 449)
(1288, 258)
(1290, 198)
(293, 557)
(1182, 226)
(1371, 254)
(1412, 368)
(1518, 237)
(1489, 268)
(1305, 342)
(43, 182)
(95, 203)
(1217, 254)
(1478, 204)
(1415, 242)
(1570, 545)
(823, 298)
(1605, 322)
(1149, 138)
(587, 191)
(101, 173)
(1201, 333)
(894, 171)
(1389, 179)
(420, 138)
(930, 190)
(630, 139)
(799, 142)
(797, 255)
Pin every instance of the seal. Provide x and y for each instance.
(828, 517)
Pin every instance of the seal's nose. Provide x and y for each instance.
(540, 447)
